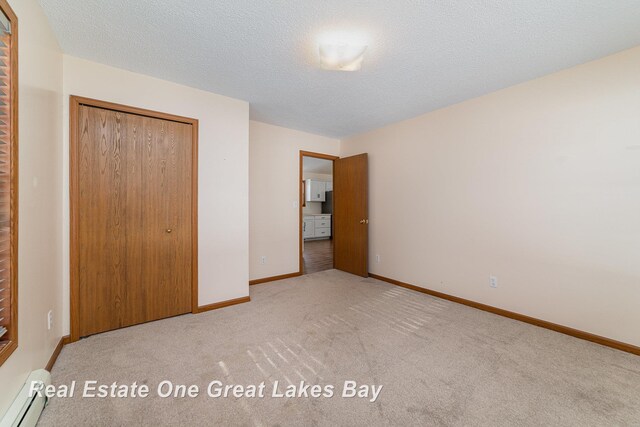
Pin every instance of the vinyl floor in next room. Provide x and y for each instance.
(317, 255)
(439, 363)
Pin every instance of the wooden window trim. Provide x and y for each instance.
(12, 329)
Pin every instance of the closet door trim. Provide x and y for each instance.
(74, 105)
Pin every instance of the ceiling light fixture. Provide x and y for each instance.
(341, 57)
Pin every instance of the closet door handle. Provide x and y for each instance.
(169, 230)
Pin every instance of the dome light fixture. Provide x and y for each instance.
(341, 57)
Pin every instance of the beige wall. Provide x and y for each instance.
(538, 184)
(223, 178)
(274, 168)
(40, 210)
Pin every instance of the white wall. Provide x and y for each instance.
(274, 168)
(538, 184)
(40, 203)
(318, 176)
(223, 181)
(312, 208)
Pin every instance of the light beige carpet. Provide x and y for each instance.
(440, 363)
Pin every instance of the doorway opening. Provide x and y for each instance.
(316, 212)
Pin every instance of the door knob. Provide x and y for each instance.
(362, 221)
(169, 230)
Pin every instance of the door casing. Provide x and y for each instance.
(74, 104)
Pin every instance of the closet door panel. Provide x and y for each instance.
(167, 217)
(133, 310)
(109, 202)
(134, 236)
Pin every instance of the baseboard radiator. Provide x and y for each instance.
(26, 408)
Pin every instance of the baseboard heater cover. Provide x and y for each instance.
(25, 409)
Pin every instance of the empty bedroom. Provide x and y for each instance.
(270, 213)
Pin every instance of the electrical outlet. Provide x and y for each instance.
(493, 281)
(50, 319)
(377, 258)
(263, 259)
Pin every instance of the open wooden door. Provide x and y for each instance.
(351, 214)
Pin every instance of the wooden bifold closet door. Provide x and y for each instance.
(134, 201)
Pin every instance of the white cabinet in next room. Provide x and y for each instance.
(308, 227)
(316, 226)
(314, 190)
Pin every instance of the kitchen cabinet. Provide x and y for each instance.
(314, 190)
(316, 226)
(308, 227)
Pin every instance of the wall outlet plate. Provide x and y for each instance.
(493, 281)
(50, 319)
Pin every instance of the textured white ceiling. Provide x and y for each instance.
(315, 165)
(422, 55)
